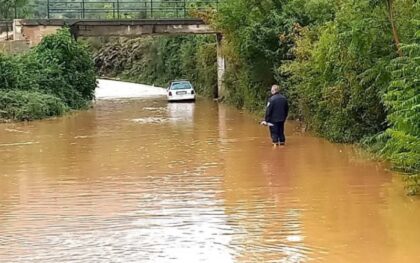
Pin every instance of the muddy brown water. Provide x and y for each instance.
(141, 180)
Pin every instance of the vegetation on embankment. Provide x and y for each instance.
(350, 68)
(158, 60)
(56, 76)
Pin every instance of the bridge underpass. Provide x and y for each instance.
(122, 18)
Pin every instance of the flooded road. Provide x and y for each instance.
(141, 180)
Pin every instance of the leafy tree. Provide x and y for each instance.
(402, 99)
(10, 8)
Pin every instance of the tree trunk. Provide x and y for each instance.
(390, 5)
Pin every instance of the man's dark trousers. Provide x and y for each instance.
(277, 132)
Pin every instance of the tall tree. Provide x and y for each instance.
(389, 4)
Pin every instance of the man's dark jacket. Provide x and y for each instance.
(277, 109)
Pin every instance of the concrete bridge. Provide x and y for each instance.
(33, 30)
(119, 18)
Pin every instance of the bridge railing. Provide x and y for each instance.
(126, 9)
(6, 27)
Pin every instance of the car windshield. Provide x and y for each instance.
(180, 85)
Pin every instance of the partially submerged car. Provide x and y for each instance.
(180, 90)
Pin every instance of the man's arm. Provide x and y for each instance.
(268, 111)
(287, 108)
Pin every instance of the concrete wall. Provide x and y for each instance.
(139, 30)
(35, 30)
(32, 33)
(14, 46)
(35, 34)
(221, 67)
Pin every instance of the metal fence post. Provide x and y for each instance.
(113, 10)
(118, 9)
(83, 9)
(7, 14)
(151, 8)
(48, 9)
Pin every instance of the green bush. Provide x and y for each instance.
(341, 65)
(400, 143)
(9, 73)
(29, 105)
(402, 99)
(70, 65)
(339, 73)
(56, 75)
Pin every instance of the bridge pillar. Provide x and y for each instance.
(17, 30)
(221, 68)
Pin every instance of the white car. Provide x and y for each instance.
(180, 90)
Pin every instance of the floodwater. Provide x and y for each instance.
(141, 180)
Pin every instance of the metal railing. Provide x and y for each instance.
(107, 9)
(6, 28)
(126, 9)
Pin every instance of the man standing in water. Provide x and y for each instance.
(276, 115)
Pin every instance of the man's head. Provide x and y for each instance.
(275, 89)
